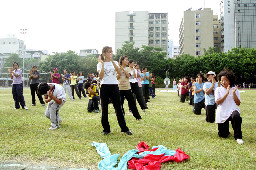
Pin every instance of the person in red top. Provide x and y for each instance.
(153, 84)
(55, 77)
(184, 89)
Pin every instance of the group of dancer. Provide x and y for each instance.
(119, 81)
(211, 95)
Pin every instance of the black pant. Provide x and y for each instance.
(154, 89)
(210, 113)
(236, 122)
(182, 98)
(138, 93)
(93, 103)
(33, 90)
(72, 89)
(17, 93)
(145, 89)
(198, 107)
(111, 92)
(131, 102)
(191, 99)
(81, 89)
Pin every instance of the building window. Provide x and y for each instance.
(163, 41)
(151, 41)
(238, 5)
(215, 26)
(163, 21)
(197, 45)
(131, 25)
(151, 34)
(131, 39)
(157, 28)
(197, 15)
(3, 42)
(151, 28)
(197, 23)
(151, 22)
(163, 28)
(197, 37)
(157, 34)
(216, 38)
(197, 30)
(245, 5)
(131, 18)
(157, 22)
(216, 45)
(9, 42)
(157, 41)
(197, 52)
(215, 32)
(164, 34)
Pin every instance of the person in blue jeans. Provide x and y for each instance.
(81, 84)
(199, 95)
(17, 86)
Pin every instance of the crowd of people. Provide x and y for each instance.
(219, 99)
(117, 81)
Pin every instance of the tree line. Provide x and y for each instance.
(242, 61)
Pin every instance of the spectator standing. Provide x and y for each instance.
(184, 89)
(34, 77)
(17, 86)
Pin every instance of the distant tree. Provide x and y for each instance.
(89, 64)
(10, 60)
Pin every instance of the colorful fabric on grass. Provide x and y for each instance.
(142, 158)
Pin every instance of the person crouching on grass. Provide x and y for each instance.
(93, 93)
(55, 96)
(227, 97)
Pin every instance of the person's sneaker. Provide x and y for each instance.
(106, 133)
(128, 132)
(96, 111)
(33, 104)
(25, 107)
(53, 128)
(240, 141)
(16, 108)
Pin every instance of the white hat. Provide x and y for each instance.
(212, 73)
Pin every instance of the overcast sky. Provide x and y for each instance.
(62, 25)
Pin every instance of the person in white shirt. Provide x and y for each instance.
(135, 87)
(55, 96)
(227, 98)
(107, 69)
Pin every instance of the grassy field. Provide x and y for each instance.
(25, 136)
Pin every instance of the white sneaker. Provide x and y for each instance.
(240, 141)
(43, 104)
(25, 107)
(53, 128)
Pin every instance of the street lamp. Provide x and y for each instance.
(23, 31)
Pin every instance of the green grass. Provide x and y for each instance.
(25, 136)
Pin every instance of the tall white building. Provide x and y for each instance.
(142, 28)
(238, 24)
(12, 46)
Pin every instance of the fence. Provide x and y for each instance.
(6, 81)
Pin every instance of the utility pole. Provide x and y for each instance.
(23, 31)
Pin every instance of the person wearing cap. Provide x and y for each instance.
(199, 95)
(209, 88)
(34, 77)
(55, 77)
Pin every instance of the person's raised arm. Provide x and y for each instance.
(221, 100)
(236, 99)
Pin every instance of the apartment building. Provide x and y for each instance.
(199, 30)
(238, 24)
(142, 28)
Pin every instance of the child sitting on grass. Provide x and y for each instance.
(55, 96)
(93, 93)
